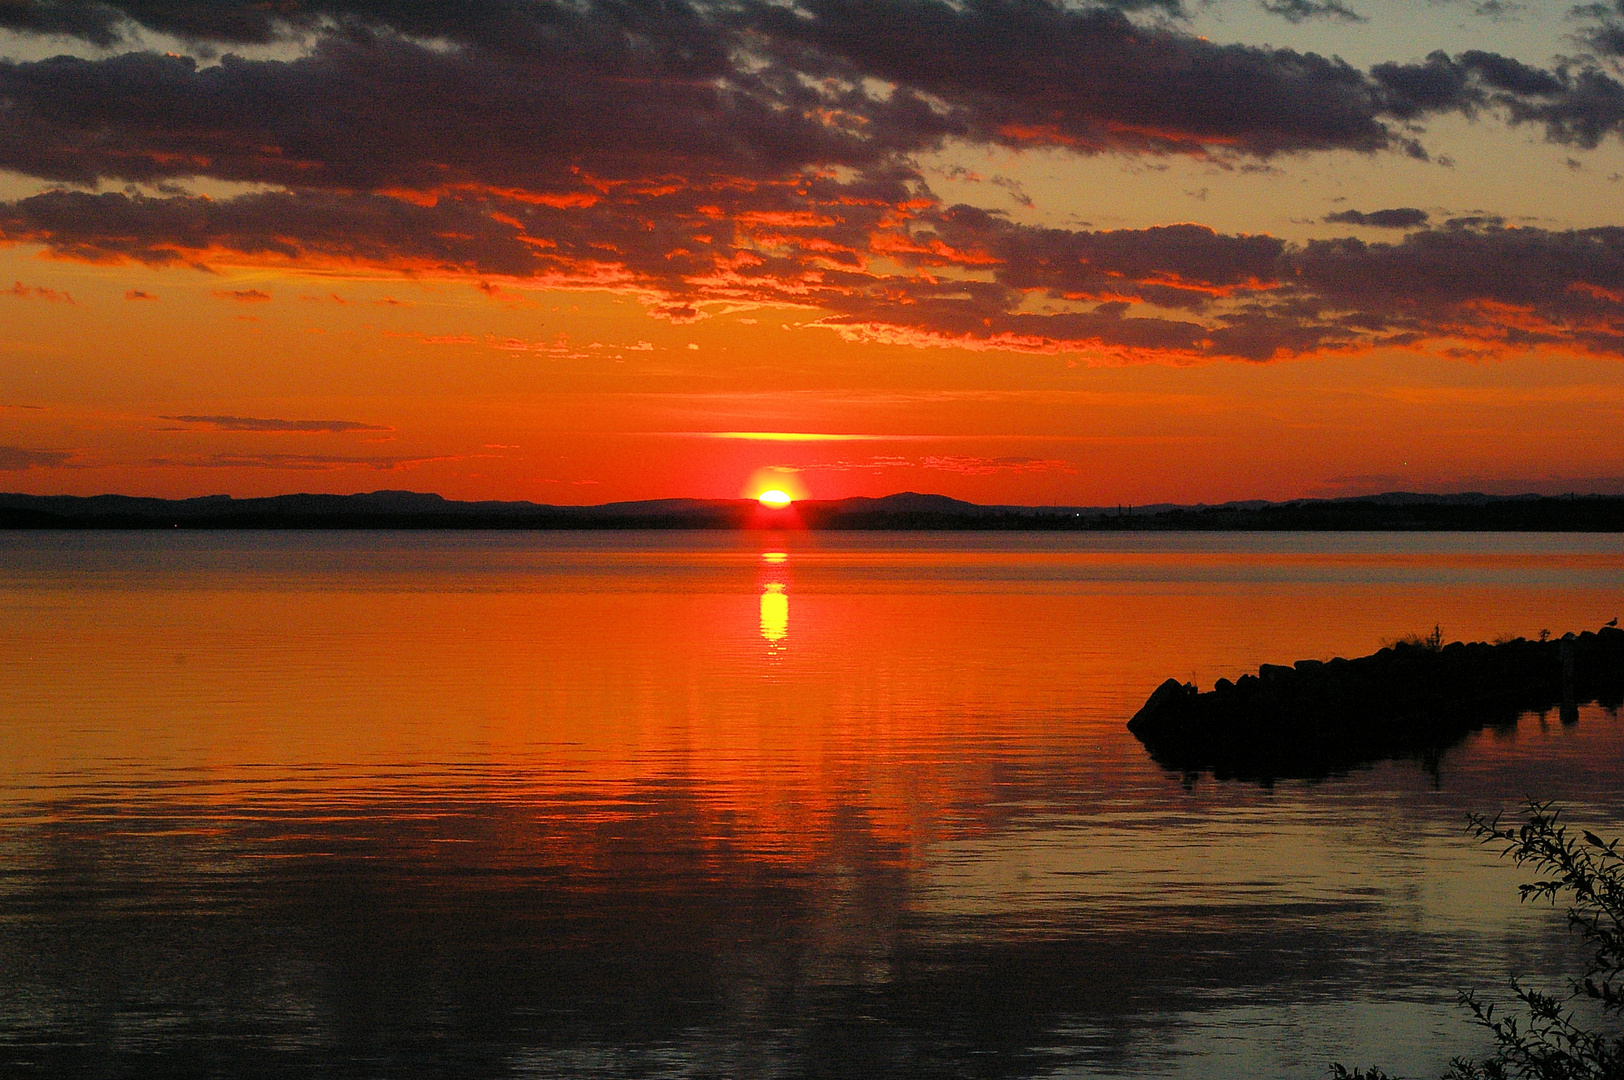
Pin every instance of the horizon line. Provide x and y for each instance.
(747, 501)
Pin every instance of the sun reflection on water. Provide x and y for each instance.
(774, 612)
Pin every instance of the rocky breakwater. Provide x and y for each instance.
(1410, 699)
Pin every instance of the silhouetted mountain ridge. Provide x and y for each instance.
(908, 510)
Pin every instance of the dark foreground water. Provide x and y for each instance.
(487, 805)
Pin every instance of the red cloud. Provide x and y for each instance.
(883, 261)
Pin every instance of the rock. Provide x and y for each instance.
(1313, 717)
(1168, 700)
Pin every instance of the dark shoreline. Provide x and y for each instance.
(1396, 512)
(1411, 699)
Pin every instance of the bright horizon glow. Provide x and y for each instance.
(774, 499)
(799, 436)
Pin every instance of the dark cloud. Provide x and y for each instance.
(99, 24)
(590, 103)
(249, 423)
(244, 296)
(760, 153)
(17, 458)
(1590, 108)
(1175, 266)
(453, 235)
(661, 237)
(1606, 34)
(1027, 73)
(1015, 189)
(1171, 9)
(1505, 288)
(1526, 267)
(1576, 106)
(1297, 11)
(253, 22)
(1256, 298)
(1402, 217)
(560, 100)
(509, 25)
(137, 294)
(1501, 73)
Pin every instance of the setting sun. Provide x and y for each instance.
(774, 499)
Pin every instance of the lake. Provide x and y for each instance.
(746, 804)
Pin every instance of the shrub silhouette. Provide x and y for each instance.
(1433, 642)
(1550, 1042)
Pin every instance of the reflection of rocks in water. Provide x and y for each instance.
(1409, 700)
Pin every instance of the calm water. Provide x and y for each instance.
(490, 805)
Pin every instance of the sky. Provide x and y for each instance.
(1116, 251)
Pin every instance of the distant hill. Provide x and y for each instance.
(908, 510)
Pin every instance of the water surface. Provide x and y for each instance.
(654, 804)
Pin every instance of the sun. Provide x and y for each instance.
(774, 499)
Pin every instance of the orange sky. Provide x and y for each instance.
(1221, 263)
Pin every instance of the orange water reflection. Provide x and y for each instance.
(921, 682)
(620, 749)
